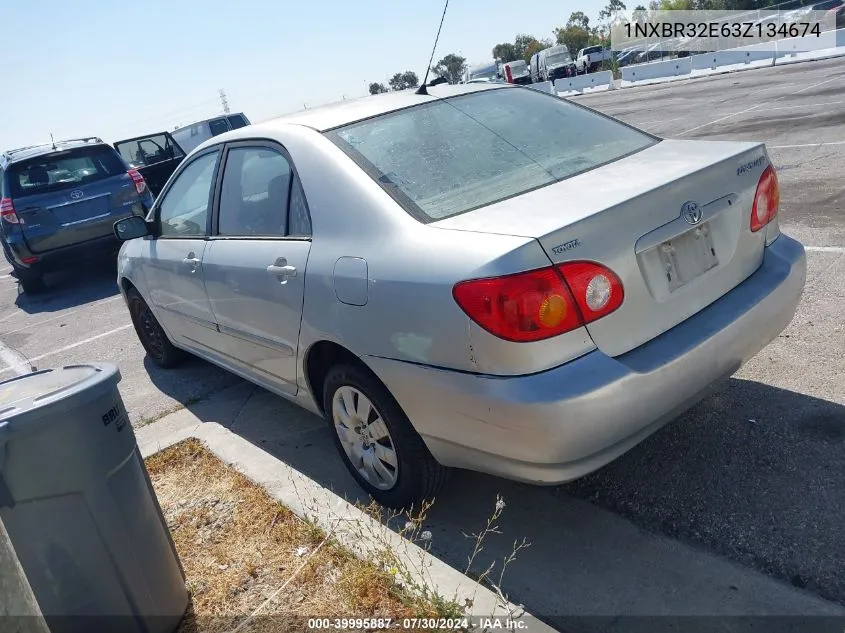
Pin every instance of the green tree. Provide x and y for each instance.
(578, 18)
(573, 37)
(527, 45)
(377, 88)
(505, 51)
(640, 14)
(451, 67)
(403, 81)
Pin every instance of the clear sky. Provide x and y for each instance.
(118, 69)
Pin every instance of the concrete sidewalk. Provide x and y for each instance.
(583, 561)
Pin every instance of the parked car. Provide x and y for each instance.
(451, 290)
(516, 72)
(155, 156)
(555, 63)
(590, 59)
(190, 136)
(59, 202)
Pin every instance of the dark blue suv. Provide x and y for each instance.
(59, 202)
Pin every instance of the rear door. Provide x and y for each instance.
(172, 262)
(155, 156)
(72, 196)
(255, 263)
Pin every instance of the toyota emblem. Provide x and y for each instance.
(76, 194)
(691, 212)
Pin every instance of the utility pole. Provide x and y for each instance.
(224, 100)
(18, 607)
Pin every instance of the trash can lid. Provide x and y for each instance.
(39, 389)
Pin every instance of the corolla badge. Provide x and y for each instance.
(77, 194)
(691, 212)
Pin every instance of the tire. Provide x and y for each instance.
(152, 336)
(417, 477)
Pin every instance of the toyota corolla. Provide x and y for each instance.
(451, 290)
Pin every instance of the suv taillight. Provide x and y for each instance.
(766, 200)
(7, 212)
(138, 179)
(539, 304)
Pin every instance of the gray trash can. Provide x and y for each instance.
(77, 502)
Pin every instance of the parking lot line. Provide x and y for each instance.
(759, 105)
(807, 145)
(13, 360)
(825, 249)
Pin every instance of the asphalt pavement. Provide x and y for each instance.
(753, 478)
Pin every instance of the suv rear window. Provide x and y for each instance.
(63, 170)
(237, 121)
(149, 150)
(458, 154)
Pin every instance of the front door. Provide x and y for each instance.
(255, 263)
(173, 266)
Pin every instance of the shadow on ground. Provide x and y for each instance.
(754, 473)
(79, 284)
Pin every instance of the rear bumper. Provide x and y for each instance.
(561, 424)
(58, 258)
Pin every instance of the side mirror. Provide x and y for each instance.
(131, 228)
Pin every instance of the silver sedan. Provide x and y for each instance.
(452, 290)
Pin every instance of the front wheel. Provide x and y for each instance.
(380, 448)
(152, 336)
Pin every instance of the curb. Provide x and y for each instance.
(352, 527)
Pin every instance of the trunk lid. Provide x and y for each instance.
(629, 215)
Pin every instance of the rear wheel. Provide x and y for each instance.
(152, 336)
(380, 448)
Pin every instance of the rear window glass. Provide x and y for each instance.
(457, 154)
(63, 170)
(237, 121)
(149, 150)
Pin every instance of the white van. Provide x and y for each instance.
(190, 136)
(517, 72)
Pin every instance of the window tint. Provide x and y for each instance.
(236, 121)
(300, 219)
(218, 126)
(64, 170)
(461, 153)
(184, 209)
(149, 150)
(254, 198)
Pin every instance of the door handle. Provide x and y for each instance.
(281, 269)
(192, 261)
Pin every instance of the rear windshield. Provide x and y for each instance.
(454, 155)
(149, 150)
(63, 170)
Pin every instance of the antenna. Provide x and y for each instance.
(53, 141)
(224, 100)
(421, 90)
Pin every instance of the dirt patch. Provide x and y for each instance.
(242, 551)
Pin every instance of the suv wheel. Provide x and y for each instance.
(152, 336)
(380, 448)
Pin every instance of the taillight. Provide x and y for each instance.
(766, 200)
(138, 179)
(7, 212)
(597, 290)
(539, 304)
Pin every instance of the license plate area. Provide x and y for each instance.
(687, 256)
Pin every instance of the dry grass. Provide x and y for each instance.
(242, 550)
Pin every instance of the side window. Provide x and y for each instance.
(254, 198)
(237, 121)
(299, 222)
(183, 211)
(218, 126)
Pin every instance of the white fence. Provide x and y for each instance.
(592, 82)
(784, 51)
